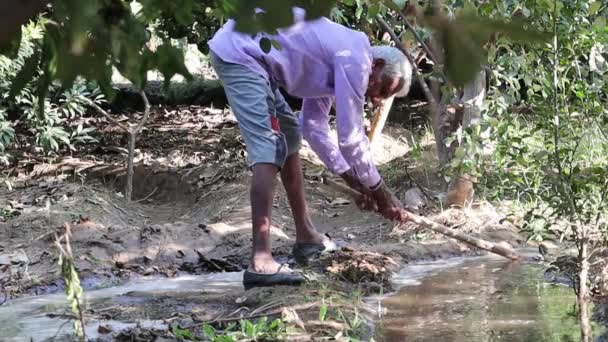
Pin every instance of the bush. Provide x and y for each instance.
(49, 125)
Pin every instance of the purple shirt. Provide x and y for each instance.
(321, 62)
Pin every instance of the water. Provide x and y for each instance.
(459, 299)
(28, 318)
(478, 299)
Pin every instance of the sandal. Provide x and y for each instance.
(304, 252)
(284, 276)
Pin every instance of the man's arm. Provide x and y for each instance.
(351, 79)
(315, 129)
(350, 85)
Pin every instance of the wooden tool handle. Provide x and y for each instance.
(504, 250)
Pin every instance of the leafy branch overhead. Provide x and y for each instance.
(89, 38)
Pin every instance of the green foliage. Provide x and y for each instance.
(460, 35)
(462, 40)
(183, 334)
(73, 290)
(549, 130)
(18, 86)
(89, 38)
(323, 312)
(260, 330)
(7, 133)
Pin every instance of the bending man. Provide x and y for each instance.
(323, 63)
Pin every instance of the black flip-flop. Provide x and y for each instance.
(284, 276)
(304, 252)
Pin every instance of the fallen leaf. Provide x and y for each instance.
(290, 316)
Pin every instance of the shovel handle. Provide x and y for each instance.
(502, 249)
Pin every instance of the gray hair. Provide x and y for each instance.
(397, 65)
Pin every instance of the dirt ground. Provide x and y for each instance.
(190, 213)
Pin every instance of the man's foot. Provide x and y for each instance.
(282, 276)
(264, 264)
(307, 233)
(303, 252)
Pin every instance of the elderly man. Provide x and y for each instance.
(321, 62)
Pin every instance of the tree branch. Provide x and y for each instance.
(425, 88)
(141, 124)
(132, 139)
(418, 38)
(106, 114)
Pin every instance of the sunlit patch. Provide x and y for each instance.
(344, 53)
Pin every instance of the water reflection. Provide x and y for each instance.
(482, 300)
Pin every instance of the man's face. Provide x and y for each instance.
(381, 86)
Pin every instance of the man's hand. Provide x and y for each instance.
(366, 200)
(388, 205)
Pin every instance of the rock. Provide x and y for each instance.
(547, 247)
(17, 258)
(338, 202)
(104, 329)
(414, 199)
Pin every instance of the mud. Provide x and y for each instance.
(190, 213)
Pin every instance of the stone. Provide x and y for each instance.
(413, 199)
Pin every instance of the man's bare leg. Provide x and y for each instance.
(293, 181)
(262, 192)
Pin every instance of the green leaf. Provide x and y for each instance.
(25, 75)
(373, 10)
(249, 329)
(44, 81)
(316, 8)
(276, 45)
(595, 7)
(358, 12)
(275, 325)
(599, 23)
(170, 61)
(265, 45)
(208, 331)
(462, 57)
(322, 312)
(55, 147)
(463, 38)
(183, 12)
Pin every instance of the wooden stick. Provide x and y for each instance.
(379, 119)
(501, 249)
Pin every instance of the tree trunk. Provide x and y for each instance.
(461, 188)
(129, 187)
(583, 292)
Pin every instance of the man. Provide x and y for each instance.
(321, 62)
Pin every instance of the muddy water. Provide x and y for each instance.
(36, 318)
(460, 299)
(481, 299)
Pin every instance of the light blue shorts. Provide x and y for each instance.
(256, 103)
